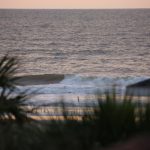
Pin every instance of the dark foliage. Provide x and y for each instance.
(12, 105)
(110, 121)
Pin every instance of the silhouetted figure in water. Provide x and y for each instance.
(78, 99)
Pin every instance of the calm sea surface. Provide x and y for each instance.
(92, 48)
(86, 42)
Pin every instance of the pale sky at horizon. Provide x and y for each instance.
(74, 4)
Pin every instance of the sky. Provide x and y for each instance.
(69, 4)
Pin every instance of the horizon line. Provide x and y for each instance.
(79, 8)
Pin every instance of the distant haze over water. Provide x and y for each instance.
(107, 43)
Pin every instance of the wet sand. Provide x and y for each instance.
(39, 79)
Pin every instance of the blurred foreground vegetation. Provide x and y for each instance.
(110, 121)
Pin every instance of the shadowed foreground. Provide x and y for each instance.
(141, 142)
(109, 122)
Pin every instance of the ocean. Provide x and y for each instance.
(93, 49)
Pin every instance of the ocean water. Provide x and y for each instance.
(92, 48)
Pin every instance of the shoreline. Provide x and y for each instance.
(139, 88)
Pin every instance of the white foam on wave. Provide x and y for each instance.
(101, 81)
(77, 84)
